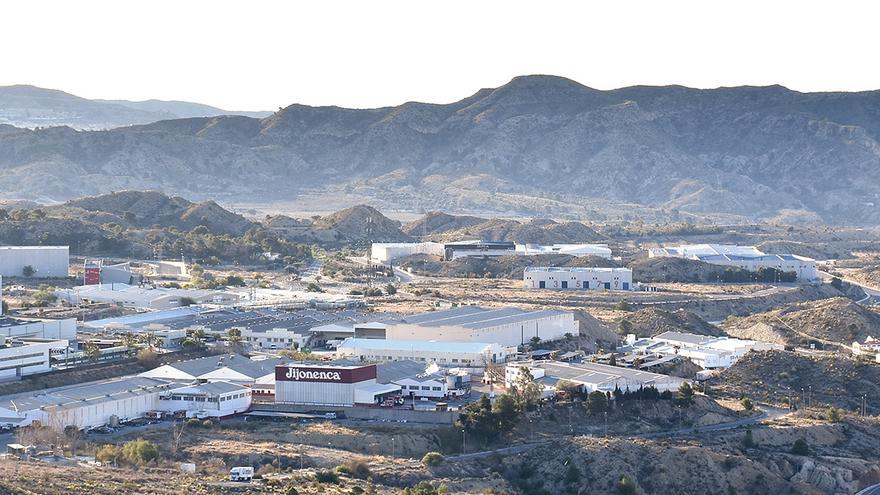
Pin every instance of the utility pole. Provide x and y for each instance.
(463, 441)
(606, 424)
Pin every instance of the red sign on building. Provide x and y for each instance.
(326, 374)
(92, 275)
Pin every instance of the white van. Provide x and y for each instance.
(241, 473)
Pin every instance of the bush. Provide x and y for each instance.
(833, 415)
(355, 469)
(140, 451)
(432, 459)
(573, 474)
(626, 486)
(749, 440)
(623, 305)
(327, 477)
(107, 454)
(146, 357)
(390, 290)
(747, 404)
(800, 447)
(313, 287)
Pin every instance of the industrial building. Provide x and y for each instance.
(577, 278)
(138, 297)
(27, 356)
(233, 368)
(577, 250)
(98, 272)
(38, 328)
(452, 354)
(590, 377)
(705, 351)
(745, 257)
(45, 261)
(388, 252)
(111, 401)
(330, 384)
(505, 326)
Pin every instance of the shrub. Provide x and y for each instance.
(327, 477)
(747, 404)
(833, 415)
(390, 290)
(355, 469)
(800, 447)
(146, 357)
(626, 486)
(432, 459)
(108, 454)
(748, 440)
(623, 305)
(140, 451)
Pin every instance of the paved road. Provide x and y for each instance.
(766, 413)
(872, 293)
(871, 490)
(775, 289)
(515, 449)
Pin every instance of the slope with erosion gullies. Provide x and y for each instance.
(742, 151)
(510, 267)
(772, 376)
(836, 320)
(146, 209)
(671, 269)
(444, 227)
(357, 225)
(650, 322)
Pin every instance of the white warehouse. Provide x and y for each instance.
(46, 261)
(385, 252)
(582, 278)
(442, 353)
(744, 257)
(503, 326)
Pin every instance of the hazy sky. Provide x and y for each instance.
(252, 55)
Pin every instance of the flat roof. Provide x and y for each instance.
(575, 269)
(10, 248)
(690, 338)
(235, 362)
(415, 345)
(593, 373)
(476, 318)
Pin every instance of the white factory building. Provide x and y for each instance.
(38, 329)
(21, 357)
(705, 351)
(146, 297)
(577, 278)
(105, 402)
(744, 257)
(388, 252)
(590, 377)
(233, 368)
(46, 261)
(385, 252)
(578, 250)
(447, 354)
(506, 327)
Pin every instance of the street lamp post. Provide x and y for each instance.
(463, 441)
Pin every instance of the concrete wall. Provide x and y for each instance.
(430, 417)
(47, 261)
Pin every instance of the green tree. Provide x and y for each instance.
(234, 281)
(597, 403)
(186, 301)
(390, 289)
(28, 271)
(92, 351)
(623, 305)
(625, 327)
(534, 342)
(140, 451)
(747, 404)
(506, 414)
(528, 392)
(478, 420)
(147, 357)
(685, 395)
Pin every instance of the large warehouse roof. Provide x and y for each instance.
(593, 373)
(92, 393)
(221, 367)
(478, 318)
(415, 345)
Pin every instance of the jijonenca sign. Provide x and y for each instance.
(297, 374)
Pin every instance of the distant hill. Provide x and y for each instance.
(670, 269)
(538, 146)
(30, 106)
(445, 227)
(151, 208)
(354, 226)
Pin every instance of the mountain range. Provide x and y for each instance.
(537, 146)
(30, 107)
